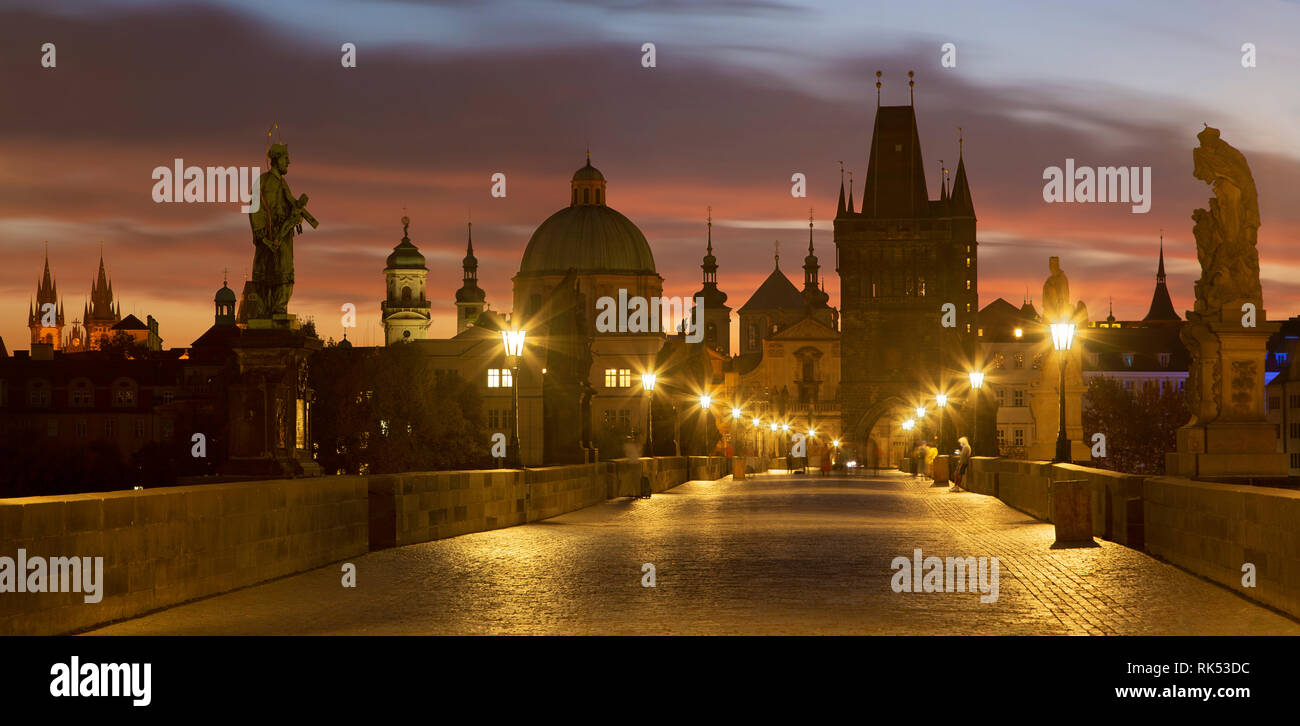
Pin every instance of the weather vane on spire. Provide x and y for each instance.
(911, 84)
(878, 75)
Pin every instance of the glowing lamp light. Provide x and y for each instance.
(648, 381)
(736, 413)
(909, 424)
(757, 422)
(706, 401)
(785, 427)
(976, 379)
(513, 340)
(1062, 336)
(941, 399)
(774, 428)
(1020, 332)
(920, 411)
(836, 443)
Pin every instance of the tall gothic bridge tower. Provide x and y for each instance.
(901, 256)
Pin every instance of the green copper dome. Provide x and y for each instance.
(588, 236)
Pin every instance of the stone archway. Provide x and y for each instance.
(876, 439)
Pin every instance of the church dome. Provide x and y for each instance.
(406, 256)
(225, 295)
(588, 236)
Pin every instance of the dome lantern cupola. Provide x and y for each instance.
(588, 185)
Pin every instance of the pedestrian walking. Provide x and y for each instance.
(931, 453)
(963, 460)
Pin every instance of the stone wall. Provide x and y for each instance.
(1209, 529)
(1024, 485)
(162, 547)
(1214, 529)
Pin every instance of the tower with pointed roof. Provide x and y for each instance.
(1162, 307)
(46, 323)
(470, 298)
(102, 311)
(717, 315)
(901, 258)
(406, 311)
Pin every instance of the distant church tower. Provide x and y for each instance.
(901, 258)
(717, 316)
(406, 311)
(102, 312)
(46, 294)
(470, 298)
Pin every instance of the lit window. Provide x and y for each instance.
(124, 395)
(1018, 437)
(1020, 333)
(500, 378)
(611, 377)
(1020, 360)
(618, 377)
(1018, 397)
(968, 284)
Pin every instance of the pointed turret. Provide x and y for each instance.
(813, 295)
(960, 203)
(717, 316)
(850, 209)
(43, 329)
(1162, 307)
(470, 298)
(840, 208)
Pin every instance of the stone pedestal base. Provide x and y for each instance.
(270, 403)
(1227, 450)
(1228, 436)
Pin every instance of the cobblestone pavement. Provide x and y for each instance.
(772, 555)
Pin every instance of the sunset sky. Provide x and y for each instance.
(745, 94)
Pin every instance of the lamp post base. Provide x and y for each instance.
(1063, 452)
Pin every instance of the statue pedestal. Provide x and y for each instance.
(1045, 403)
(270, 403)
(1228, 436)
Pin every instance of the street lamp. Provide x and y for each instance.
(513, 342)
(977, 383)
(942, 400)
(648, 384)
(1062, 339)
(706, 403)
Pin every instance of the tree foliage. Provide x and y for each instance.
(386, 411)
(1139, 424)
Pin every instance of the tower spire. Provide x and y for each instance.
(839, 210)
(878, 75)
(864, 202)
(911, 84)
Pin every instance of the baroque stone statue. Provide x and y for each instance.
(1056, 294)
(278, 215)
(1226, 233)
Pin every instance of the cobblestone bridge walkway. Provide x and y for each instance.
(772, 555)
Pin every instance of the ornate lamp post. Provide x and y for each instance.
(773, 427)
(908, 425)
(756, 423)
(648, 384)
(736, 422)
(513, 342)
(942, 401)
(1062, 339)
(976, 384)
(706, 403)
